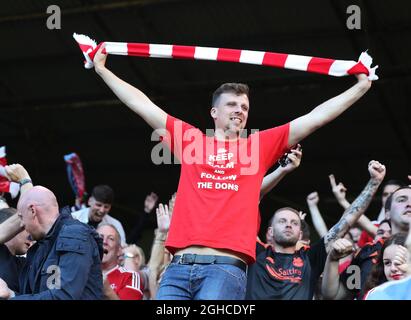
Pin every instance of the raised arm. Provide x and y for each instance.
(316, 217)
(272, 179)
(158, 249)
(331, 287)
(340, 191)
(129, 95)
(11, 227)
(17, 173)
(360, 204)
(327, 111)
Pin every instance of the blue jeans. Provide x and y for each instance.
(202, 282)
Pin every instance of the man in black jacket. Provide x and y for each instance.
(65, 262)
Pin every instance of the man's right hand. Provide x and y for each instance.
(16, 172)
(340, 249)
(294, 157)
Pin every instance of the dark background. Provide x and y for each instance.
(50, 105)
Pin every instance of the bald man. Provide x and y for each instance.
(65, 261)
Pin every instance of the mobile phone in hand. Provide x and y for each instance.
(284, 160)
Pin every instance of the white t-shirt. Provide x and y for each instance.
(83, 216)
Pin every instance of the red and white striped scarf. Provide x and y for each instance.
(330, 67)
(5, 185)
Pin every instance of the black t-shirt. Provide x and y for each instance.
(282, 276)
(364, 259)
(10, 267)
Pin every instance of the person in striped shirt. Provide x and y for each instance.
(119, 283)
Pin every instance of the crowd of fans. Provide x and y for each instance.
(366, 254)
(205, 246)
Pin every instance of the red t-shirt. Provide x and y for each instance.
(219, 187)
(127, 284)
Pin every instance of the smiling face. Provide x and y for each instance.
(230, 112)
(391, 270)
(98, 210)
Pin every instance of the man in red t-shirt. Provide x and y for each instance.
(125, 284)
(215, 219)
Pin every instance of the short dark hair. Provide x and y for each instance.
(284, 209)
(6, 213)
(236, 88)
(385, 221)
(103, 193)
(394, 182)
(388, 203)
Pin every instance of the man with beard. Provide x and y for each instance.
(284, 272)
(100, 204)
(126, 284)
(335, 286)
(218, 192)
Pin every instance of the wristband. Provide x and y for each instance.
(22, 182)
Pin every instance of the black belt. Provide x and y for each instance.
(188, 258)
